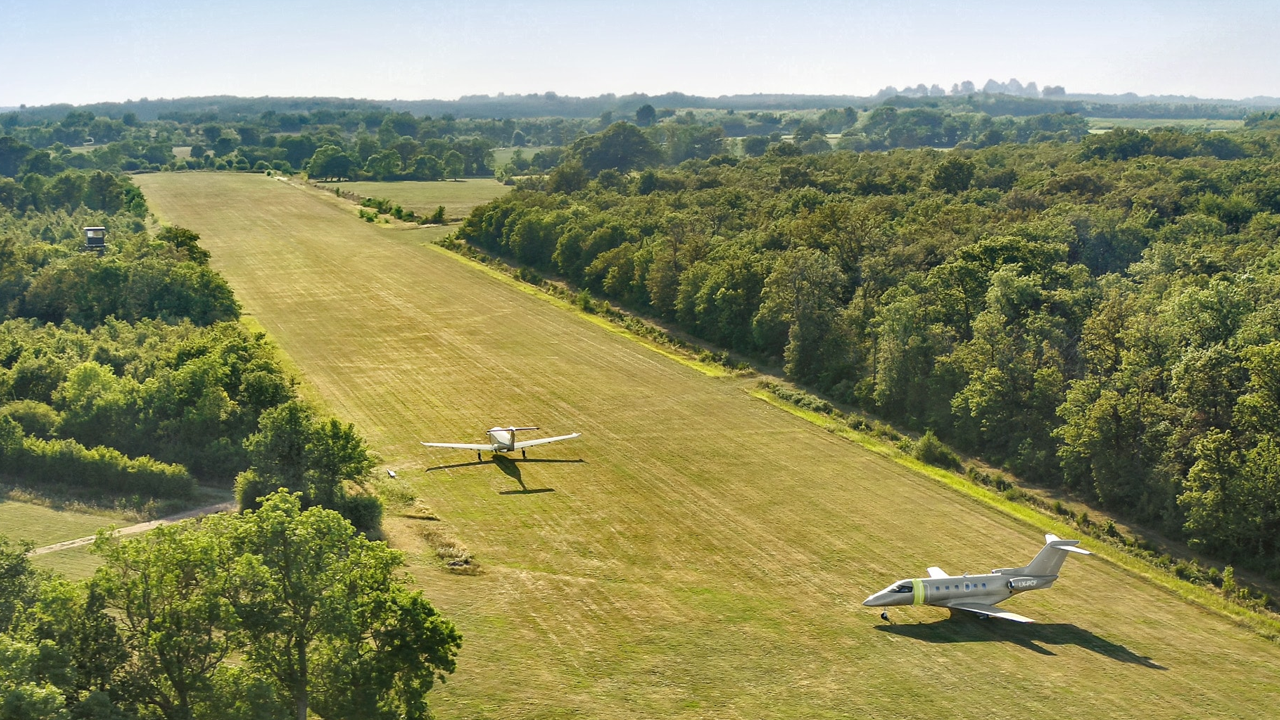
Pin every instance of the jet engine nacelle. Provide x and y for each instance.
(1019, 584)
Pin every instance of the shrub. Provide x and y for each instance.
(363, 511)
(929, 449)
(36, 418)
(67, 462)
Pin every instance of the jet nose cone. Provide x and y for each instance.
(874, 601)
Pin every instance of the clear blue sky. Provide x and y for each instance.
(80, 51)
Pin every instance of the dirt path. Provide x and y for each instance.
(139, 528)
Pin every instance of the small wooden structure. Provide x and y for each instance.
(95, 239)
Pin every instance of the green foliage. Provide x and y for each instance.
(256, 615)
(327, 621)
(186, 241)
(292, 449)
(620, 147)
(178, 393)
(929, 449)
(103, 469)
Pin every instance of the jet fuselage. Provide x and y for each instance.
(986, 589)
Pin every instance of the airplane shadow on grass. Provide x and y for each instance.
(511, 468)
(1033, 636)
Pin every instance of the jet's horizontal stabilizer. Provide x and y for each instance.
(990, 610)
(1069, 545)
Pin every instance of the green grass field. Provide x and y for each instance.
(1100, 125)
(45, 526)
(697, 553)
(502, 156)
(458, 198)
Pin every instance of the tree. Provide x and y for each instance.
(383, 164)
(952, 175)
(170, 590)
(454, 164)
(799, 299)
(315, 458)
(620, 147)
(330, 162)
(755, 145)
(17, 578)
(568, 177)
(646, 115)
(187, 241)
(81, 651)
(327, 618)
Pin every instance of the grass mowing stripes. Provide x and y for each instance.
(457, 197)
(701, 553)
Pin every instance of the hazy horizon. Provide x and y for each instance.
(395, 49)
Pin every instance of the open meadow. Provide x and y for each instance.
(45, 526)
(457, 197)
(503, 155)
(697, 552)
(1101, 125)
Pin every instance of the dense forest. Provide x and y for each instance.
(1101, 314)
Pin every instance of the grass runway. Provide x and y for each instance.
(696, 553)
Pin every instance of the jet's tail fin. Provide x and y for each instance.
(1050, 558)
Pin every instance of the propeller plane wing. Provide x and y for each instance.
(503, 440)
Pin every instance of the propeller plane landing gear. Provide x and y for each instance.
(523, 456)
(478, 458)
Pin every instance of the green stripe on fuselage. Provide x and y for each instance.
(917, 591)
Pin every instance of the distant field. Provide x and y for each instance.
(1099, 125)
(458, 198)
(697, 553)
(502, 156)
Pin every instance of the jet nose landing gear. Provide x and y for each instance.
(884, 615)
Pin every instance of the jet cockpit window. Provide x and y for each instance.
(901, 588)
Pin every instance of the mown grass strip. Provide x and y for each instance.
(707, 369)
(1265, 626)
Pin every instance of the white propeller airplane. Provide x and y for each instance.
(503, 440)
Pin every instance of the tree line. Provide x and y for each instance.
(1098, 314)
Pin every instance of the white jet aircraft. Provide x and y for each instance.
(503, 440)
(979, 593)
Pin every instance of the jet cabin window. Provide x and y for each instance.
(903, 588)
